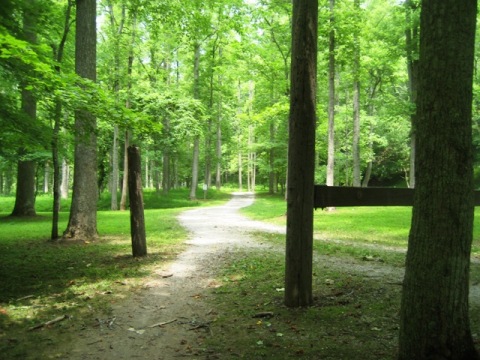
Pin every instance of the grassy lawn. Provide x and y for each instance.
(354, 316)
(370, 228)
(41, 280)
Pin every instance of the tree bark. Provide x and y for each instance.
(65, 179)
(434, 316)
(58, 55)
(82, 225)
(356, 100)
(331, 99)
(196, 140)
(26, 168)
(301, 154)
(128, 135)
(124, 195)
(137, 217)
(411, 39)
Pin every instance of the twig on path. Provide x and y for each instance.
(95, 342)
(265, 314)
(51, 322)
(162, 323)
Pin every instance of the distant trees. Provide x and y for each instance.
(240, 110)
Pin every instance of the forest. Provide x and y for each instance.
(252, 95)
(203, 89)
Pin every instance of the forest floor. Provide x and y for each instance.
(177, 312)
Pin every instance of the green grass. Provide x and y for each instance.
(41, 280)
(370, 228)
(352, 317)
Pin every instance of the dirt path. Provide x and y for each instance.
(174, 295)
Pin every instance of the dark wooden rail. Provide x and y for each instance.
(337, 196)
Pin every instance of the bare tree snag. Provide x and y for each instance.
(137, 218)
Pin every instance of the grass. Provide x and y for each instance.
(367, 230)
(354, 316)
(42, 280)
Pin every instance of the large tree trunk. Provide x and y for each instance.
(82, 224)
(25, 193)
(434, 317)
(301, 154)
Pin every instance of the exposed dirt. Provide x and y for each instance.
(170, 316)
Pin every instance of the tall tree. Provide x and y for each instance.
(434, 317)
(58, 55)
(331, 98)
(301, 154)
(356, 97)
(411, 42)
(196, 140)
(82, 224)
(26, 166)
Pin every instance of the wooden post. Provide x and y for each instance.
(137, 219)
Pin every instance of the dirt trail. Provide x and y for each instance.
(174, 294)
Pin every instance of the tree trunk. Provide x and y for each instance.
(137, 217)
(271, 160)
(115, 170)
(218, 175)
(196, 141)
(356, 100)
(240, 176)
(25, 193)
(301, 154)
(124, 196)
(166, 173)
(331, 99)
(64, 187)
(128, 135)
(434, 316)
(218, 150)
(82, 224)
(411, 36)
(195, 158)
